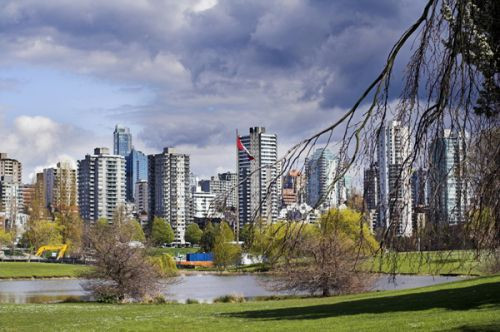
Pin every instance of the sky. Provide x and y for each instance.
(184, 73)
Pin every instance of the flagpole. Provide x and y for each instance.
(237, 228)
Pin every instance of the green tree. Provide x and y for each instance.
(161, 232)
(225, 252)
(71, 226)
(274, 241)
(208, 238)
(193, 233)
(5, 238)
(136, 230)
(44, 232)
(165, 265)
(328, 259)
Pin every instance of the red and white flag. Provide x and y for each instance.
(241, 147)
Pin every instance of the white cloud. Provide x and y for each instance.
(39, 142)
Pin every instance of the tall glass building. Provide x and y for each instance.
(321, 171)
(448, 197)
(136, 171)
(122, 141)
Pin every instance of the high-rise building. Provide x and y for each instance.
(224, 186)
(122, 141)
(394, 178)
(257, 177)
(136, 170)
(371, 194)
(169, 189)
(101, 184)
(10, 197)
(292, 188)
(10, 167)
(141, 196)
(12, 216)
(60, 186)
(448, 197)
(28, 195)
(203, 205)
(321, 171)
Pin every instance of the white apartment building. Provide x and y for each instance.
(394, 178)
(257, 178)
(101, 184)
(169, 189)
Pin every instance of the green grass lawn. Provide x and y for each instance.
(460, 306)
(39, 270)
(431, 262)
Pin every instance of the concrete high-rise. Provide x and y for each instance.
(321, 171)
(10, 167)
(393, 151)
(448, 196)
(141, 196)
(136, 170)
(225, 188)
(371, 194)
(169, 189)
(60, 187)
(10, 198)
(122, 141)
(257, 177)
(101, 185)
(12, 216)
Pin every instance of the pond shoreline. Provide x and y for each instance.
(236, 273)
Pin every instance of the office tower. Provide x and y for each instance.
(10, 167)
(292, 188)
(393, 151)
(122, 141)
(321, 171)
(169, 189)
(101, 185)
(257, 176)
(136, 169)
(371, 195)
(60, 187)
(448, 197)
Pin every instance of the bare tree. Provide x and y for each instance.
(329, 258)
(122, 272)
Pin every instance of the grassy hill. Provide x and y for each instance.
(469, 305)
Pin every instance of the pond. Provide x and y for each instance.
(201, 287)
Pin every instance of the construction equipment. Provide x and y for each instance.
(62, 249)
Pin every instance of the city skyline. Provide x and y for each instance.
(65, 83)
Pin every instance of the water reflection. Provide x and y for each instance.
(202, 287)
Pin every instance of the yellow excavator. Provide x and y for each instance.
(62, 249)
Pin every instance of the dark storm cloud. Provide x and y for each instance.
(289, 65)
